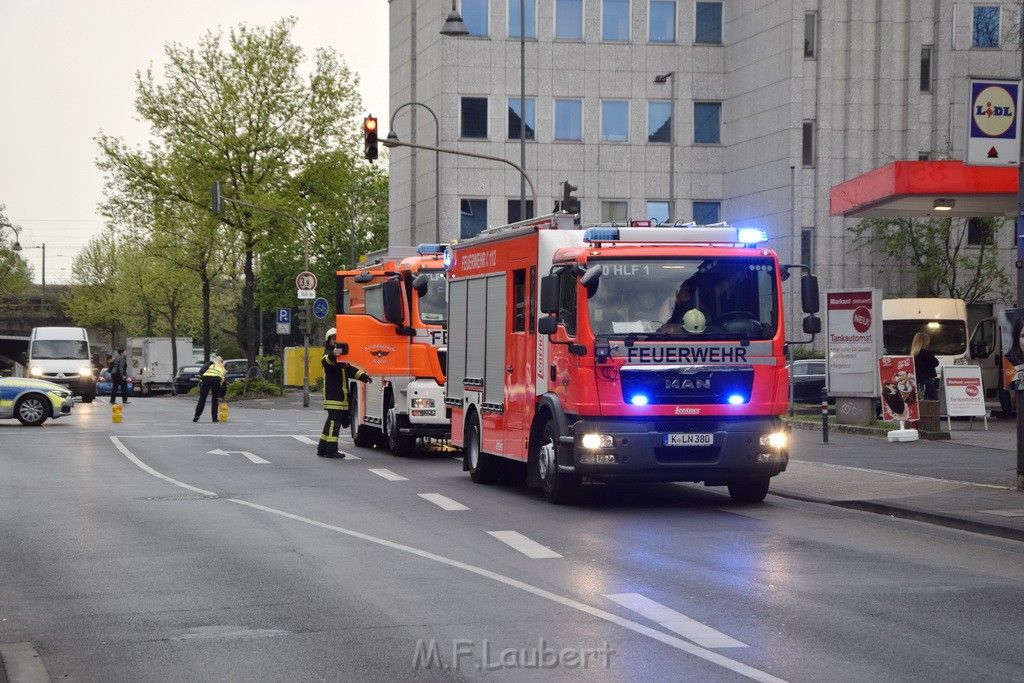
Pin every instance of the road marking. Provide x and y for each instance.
(23, 663)
(636, 627)
(442, 502)
(306, 440)
(674, 621)
(251, 456)
(525, 545)
(389, 475)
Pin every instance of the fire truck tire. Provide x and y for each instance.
(483, 467)
(400, 444)
(559, 487)
(749, 490)
(362, 435)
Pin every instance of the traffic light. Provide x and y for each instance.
(370, 138)
(570, 204)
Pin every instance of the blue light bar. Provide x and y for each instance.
(601, 235)
(639, 400)
(752, 235)
(736, 400)
(448, 258)
(430, 249)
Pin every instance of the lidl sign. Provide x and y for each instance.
(993, 137)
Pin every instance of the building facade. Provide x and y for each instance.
(745, 112)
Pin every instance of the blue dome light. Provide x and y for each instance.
(639, 400)
(736, 400)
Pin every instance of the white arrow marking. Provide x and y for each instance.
(526, 546)
(703, 635)
(252, 458)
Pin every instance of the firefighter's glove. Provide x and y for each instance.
(368, 379)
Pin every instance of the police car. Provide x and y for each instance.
(31, 401)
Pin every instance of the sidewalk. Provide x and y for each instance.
(967, 482)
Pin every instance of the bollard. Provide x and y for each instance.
(824, 415)
(223, 412)
(115, 413)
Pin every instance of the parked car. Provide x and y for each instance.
(236, 368)
(31, 401)
(808, 380)
(104, 384)
(186, 378)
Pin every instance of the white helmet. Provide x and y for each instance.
(694, 321)
(330, 333)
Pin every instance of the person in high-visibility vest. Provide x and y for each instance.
(336, 376)
(212, 377)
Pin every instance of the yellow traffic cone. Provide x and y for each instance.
(115, 413)
(223, 412)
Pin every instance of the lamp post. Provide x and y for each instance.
(671, 146)
(454, 26)
(437, 162)
(17, 233)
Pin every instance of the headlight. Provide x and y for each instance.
(36, 371)
(774, 440)
(961, 361)
(422, 403)
(596, 441)
(85, 371)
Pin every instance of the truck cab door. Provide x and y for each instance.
(985, 350)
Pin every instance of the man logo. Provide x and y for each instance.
(687, 383)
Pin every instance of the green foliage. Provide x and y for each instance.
(258, 388)
(15, 273)
(934, 255)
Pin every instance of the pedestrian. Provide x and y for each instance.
(119, 377)
(336, 377)
(211, 376)
(925, 366)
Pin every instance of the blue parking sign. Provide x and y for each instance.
(284, 315)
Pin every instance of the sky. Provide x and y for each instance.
(67, 72)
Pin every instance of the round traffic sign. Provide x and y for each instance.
(320, 308)
(305, 280)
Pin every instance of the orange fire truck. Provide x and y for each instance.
(391, 320)
(657, 355)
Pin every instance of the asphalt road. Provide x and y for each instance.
(162, 550)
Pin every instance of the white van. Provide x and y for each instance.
(62, 355)
(945, 321)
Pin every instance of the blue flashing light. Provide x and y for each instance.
(736, 400)
(448, 258)
(751, 235)
(638, 400)
(600, 234)
(430, 249)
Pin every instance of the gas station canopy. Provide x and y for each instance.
(920, 188)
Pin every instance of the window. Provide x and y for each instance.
(568, 119)
(707, 122)
(567, 284)
(985, 27)
(519, 300)
(807, 145)
(709, 23)
(474, 117)
(514, 120)
(474, 14)
(926, 68)
(807, 247)
(614, 120)
(614, 211)
(706, 213)
(513, 210)
(473, 217)
(569, 19)
(980, 232)
(529, 8)
(924, 156)
(658, 211)
(663, 21)
(615, 20)
(659, 122)
(810, 35)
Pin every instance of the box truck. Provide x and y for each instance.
(152, 361)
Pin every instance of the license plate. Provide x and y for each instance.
(689, 439)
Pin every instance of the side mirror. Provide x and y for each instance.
(364, 277)
(24, 359)
(980, 350)
(419, 284)
(591, 276)
(547, 325)
(809, 297)
(812, 325)
(549, 294)
(393, 312)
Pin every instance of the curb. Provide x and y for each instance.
(860, 430)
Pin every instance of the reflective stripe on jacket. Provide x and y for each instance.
(336, 376)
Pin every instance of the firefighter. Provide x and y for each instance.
(212, 377)
(336, 376)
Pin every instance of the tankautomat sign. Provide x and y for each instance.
(993, 130)
(899, 388)
(854, 327)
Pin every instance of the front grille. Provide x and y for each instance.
(688, 385)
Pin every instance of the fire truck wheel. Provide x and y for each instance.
(400, 444)
(361, 434)
(749, 490)
(558, 487)
(483, 468)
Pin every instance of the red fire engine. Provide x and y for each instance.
(391, 317)
(658, 355)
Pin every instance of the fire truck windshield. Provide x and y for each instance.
(685, 298)
(433, 304)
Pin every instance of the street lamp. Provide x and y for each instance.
(671, 145)
(437, 160)
(17, 233)
(454, 26)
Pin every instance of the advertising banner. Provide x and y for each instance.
(993, 127)
(961, 385)
(854, 332)
(899, 388)
(1011, 327)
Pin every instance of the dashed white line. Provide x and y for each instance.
(674, 621)
(443, 502)
(389, 475)
(525, 545)
(305, 439)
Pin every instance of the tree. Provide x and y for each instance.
(934, 254)
(15, 273)
(246, 116)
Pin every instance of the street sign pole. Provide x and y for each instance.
(305, 366)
